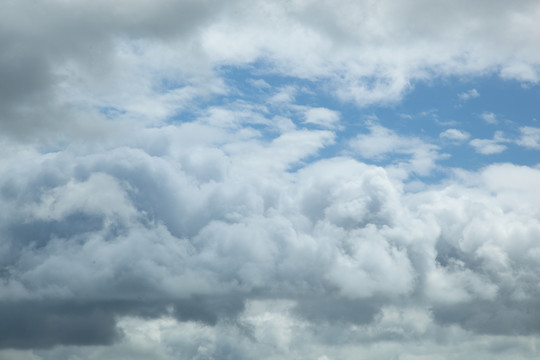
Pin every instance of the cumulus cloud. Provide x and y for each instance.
(167, 190)
(337, 242)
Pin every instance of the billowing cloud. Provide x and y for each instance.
(196, 179)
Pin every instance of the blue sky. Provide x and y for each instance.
(289, 179)
(474, 121)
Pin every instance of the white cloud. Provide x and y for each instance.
(381, 142)
(217, 216)
(259, 83)
(487, 146)
(217, 231)
(323, 117)
(285, 95)
(470, 94)
(454, 134)
(521, 71)
(489, 117)
(145, 63)
(490, 146)
(530, 137)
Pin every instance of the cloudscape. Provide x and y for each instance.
(269, 179)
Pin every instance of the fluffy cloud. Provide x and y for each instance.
(381, 142)
(124, 233)
(490, 146)
(166, 191)
(64, 60)
(323, 117)
(487, 146)
(530, 137)
(454, 134)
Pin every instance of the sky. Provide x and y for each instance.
(285, 179)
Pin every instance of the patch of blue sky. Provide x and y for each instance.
(487, 108)
(111, 112)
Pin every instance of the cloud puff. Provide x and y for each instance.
(487, 146)
(380, 142)
(489, 117)
(490, 146)
(467, 95)
(454, 134)
(323, 117)
(530, 137)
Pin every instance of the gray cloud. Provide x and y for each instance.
(223, 234)
(38, 324)
(64, 63)
(131, 234)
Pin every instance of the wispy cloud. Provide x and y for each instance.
(454, 134)
(467, 95)
(380, 142)
(530, 137)
(323, 117)
(490, 146)
(489, 117)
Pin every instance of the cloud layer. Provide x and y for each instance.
(158, 203)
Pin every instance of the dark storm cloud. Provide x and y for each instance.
(208, 309)
(30, 324)
(39, 233)
(323, 309)
(42, 324)
(501, 317)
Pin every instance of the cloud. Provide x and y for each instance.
(454, 134)
(489, 117)
(381, 142)
(470, 94)
(530, 137)
(338, 241)
(487, 146)
(64, 68)
(168, 185)
(323, 117)
(490, 146)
